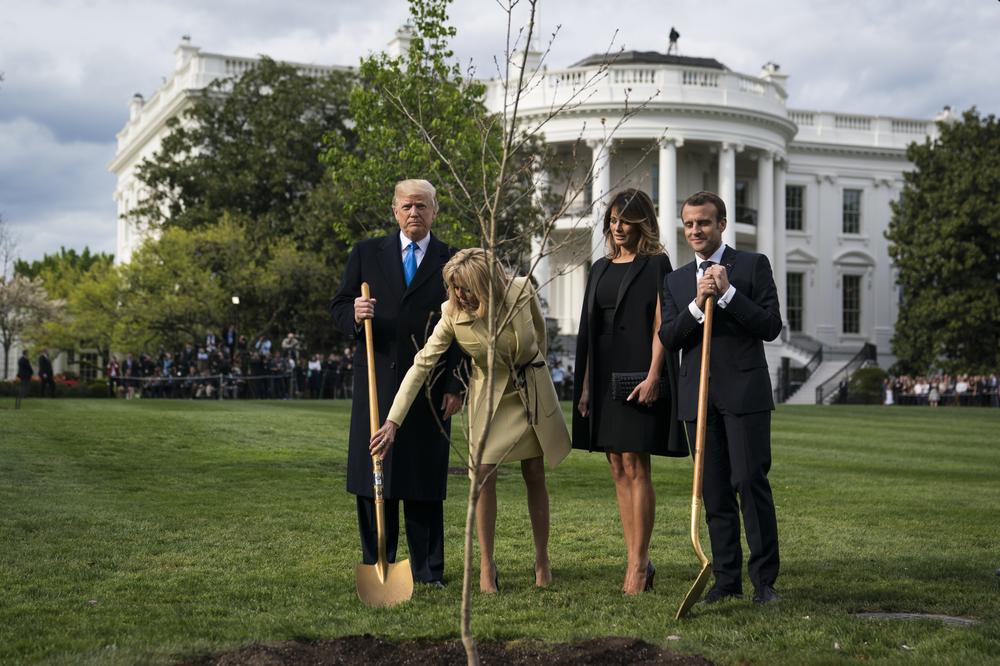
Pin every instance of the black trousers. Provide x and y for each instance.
(424, 535)
(737, 460)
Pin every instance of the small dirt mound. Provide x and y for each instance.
(373, 651)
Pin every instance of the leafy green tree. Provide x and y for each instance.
(60, 272)
(240, 173)
(182, 285)
(945, 243)
(417, 117)
(250, 147)
(24, 306)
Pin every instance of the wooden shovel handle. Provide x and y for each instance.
(370, 353)
(700, 429)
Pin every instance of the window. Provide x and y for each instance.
(852, 211)
(852, 304)
(794, 200)
(654, 185)
(793, 301)
(88, 367)
(742, 188)
(743, 212)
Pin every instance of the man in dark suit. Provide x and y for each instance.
(45, 374)
(403, 271)
(738, 441)
(24, 373)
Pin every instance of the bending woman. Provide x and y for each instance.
(526, 422)
(618, 335)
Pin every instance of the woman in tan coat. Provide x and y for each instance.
(525, 423)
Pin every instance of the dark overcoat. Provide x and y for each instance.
(24, 369)
(417, 466)
(635, 317)
(738, 368)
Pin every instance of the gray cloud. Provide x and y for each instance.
(71, 67)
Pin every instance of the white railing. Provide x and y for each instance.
(911, 126)
(751, 85)
(802, 118)
(634, 76)
(238, 66)
(570, 78)
(701, 78)
(844, 121)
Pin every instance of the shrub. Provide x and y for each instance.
(865, 387)
(97, 388)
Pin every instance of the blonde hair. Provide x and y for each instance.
(415, 186)
(475, 269)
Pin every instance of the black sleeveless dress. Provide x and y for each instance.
(621, 426)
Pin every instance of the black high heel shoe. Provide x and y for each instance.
(650, 575)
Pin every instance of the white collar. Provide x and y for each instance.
(422, 244)
(716, 257)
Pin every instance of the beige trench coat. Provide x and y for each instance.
(539, 405)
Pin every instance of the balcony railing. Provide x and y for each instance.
(745, 215)
(826, 391)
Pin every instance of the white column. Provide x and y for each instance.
(765, 204)
(539, 259)
(727, 190)
(601, 183)
(668, 196)
(778, 264)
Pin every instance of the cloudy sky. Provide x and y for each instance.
(70, 68)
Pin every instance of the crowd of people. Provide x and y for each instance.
(963, 390)
(231, 367)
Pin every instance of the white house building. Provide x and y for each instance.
(808, 188)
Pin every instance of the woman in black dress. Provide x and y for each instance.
(618, 334)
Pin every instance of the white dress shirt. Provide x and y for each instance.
(420, 250)
(723, 301)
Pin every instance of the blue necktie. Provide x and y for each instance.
(410, 263)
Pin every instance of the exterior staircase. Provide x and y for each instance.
(806, 394)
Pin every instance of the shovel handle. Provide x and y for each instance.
(700, 429)
(373, 426)
(370, 354)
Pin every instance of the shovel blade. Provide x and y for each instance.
(694, 594)
(395, 589)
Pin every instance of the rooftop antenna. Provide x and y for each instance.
(674, 36)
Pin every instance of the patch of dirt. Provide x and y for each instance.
(373, 651)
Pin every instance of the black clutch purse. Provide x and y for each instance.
(623, 383)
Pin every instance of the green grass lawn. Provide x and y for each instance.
(152, 531)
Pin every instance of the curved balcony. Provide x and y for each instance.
(594, 86)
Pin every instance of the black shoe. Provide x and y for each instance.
(717, 594)
(765, 594)
(650, 575)
(435, 584)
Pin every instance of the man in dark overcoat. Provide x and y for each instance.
(45, 374)
(24, 373)
(738, 437)
(403, 271)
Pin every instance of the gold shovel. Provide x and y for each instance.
(383, 583)
(694, 594)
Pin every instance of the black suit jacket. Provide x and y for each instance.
(417, 467)
(44, 366)
(635, 316)
(24, 369)
(740, 383)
